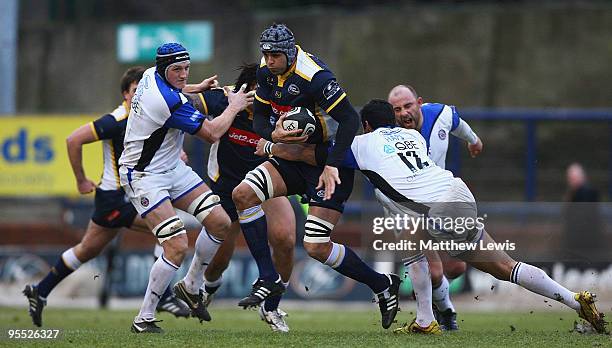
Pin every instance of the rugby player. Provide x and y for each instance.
(112, 209)
(290, 77)
(387, 155)
(230, 159)
(436, 122)
(156, 180)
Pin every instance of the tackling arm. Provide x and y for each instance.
(212, 130)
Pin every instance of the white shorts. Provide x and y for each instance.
(147, 190)
(456, 205)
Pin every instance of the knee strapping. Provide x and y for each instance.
(317, 230)
(336, 256)
(260, 181)
(203, 205)
(169, 228)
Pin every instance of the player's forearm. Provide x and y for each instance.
(213, 130)
(192, 88)
(295, 152)
(75, 156)
(465, 132)
(348, 125)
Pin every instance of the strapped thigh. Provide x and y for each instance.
(260, 181)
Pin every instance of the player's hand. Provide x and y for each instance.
(328, 179)
(209, 83)
(86, 186)
(259, 151)
(184, 157)
(475, 149)
(205, 85)
(279, 135)
(241, 99)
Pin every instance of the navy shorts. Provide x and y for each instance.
(302, 179)
(113, 209)
(223, 188)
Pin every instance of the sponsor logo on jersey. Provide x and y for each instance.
(389, 149)
(280, 110)
(266, 47)
(242, 137)
(195, 116)
(271, 80)
(293, 89)
(331, 89)
(321, 193)
(442, 134)
(144, 202)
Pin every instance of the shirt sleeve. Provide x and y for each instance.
(186, 118)
(326, 90)
(455, 117)
(349, 160)
(107, 127)
(214, 101)
(261, 107)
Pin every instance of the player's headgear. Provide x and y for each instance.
(278, 38)
(378, 113)
(168, 54)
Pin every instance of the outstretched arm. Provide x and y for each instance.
(212, 130)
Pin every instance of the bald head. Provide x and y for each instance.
(406, 106)
(401, 90)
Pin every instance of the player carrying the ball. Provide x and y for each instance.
(289, 77)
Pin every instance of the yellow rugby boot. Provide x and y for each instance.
(589, 312)
(413, 328)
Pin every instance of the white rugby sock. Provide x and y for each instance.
(161, 274)
(441, 296)
(158, 250)
(418, 271)
(536, 280)
(205, 248)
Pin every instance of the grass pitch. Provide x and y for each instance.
(238, 328)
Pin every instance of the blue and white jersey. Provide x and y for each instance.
(396, 161)
(159, 117)
(439, 120)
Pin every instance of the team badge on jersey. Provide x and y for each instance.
(144, 202)
(331, 89)
(442, 134)
(293, 89)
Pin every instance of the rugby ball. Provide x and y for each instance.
(300, 118)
